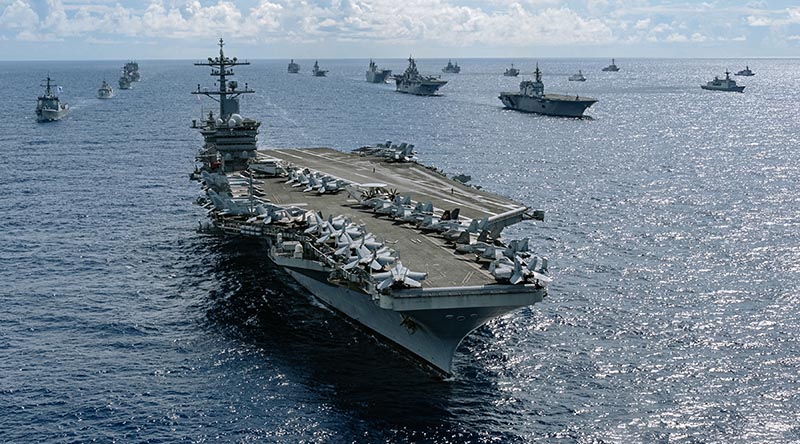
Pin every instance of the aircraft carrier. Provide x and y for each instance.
(395, 246)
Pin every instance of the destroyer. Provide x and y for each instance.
(451, 68)
(412, 82)
(316, 72)
(726, 84)
(579, 77)
(48, 107)
(392, 245)
(511, 72)
(612, 67)
(293, 68)
(375, 75)
(125, 82)
(105, 91)
(132, 71)
(532, 99)
(746, 72)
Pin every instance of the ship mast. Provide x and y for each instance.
(228, 90)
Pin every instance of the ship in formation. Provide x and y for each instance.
(412, 82)
(612, 67)
(726, 84)
(293, 67)
(451, 68)
(317, 72)
(131, 70)
(396, 247)
(746, 72)
(49, 107)
(375, 75)
(579, 77)
(105, 91)
(511, 72)
(531, 98)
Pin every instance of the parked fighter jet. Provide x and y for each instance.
(399, 276)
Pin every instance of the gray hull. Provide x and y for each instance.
(378, 76)
(429, 328)
(419, 88)
(726, 89)
(51, 115)
(550, 105)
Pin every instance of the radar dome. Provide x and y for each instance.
(219, 122)
(238, 118)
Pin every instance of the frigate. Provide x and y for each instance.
(293, 68)
(746, 72)
(612, 67)
(105, 91)
(451, 68)
(375, 75)
(412, 82)
(579, 77)
(511, 72)
(532, 99)
(48, 107)
(394, 246)
(726, 84)
(132, 71)
(125, 81)
(316, 72)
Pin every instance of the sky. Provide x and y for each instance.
(188, 29)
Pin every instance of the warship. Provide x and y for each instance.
(511, 72)
(577, 77)
(375, 75)
(726, 84)
(48, 107)
(132, 71)
(412, 82)
(125, 81)
(612, 67)
(532, 99)
(293, 68)
(451, 68)
(316, 72)
(746, 72)
(394, 246)
(105, 91)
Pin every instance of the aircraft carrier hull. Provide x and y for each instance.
(429, 330)
(459, 293)
(549, 104)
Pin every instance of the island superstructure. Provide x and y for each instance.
(397, 247)
(230, 139)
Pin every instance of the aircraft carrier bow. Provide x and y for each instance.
(396, 246)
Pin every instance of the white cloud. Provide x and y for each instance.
(642, 24)
(19, 15)
(676, 38)
(698, 37)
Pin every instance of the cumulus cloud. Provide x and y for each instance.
(19, 15)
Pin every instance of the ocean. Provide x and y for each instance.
(672, 228)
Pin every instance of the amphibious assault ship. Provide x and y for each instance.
(375, 75)
(48, 107)
(317, 72)
(412, 82)
(532, 99)
(395, 246)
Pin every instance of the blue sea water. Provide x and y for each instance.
(673, 231)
